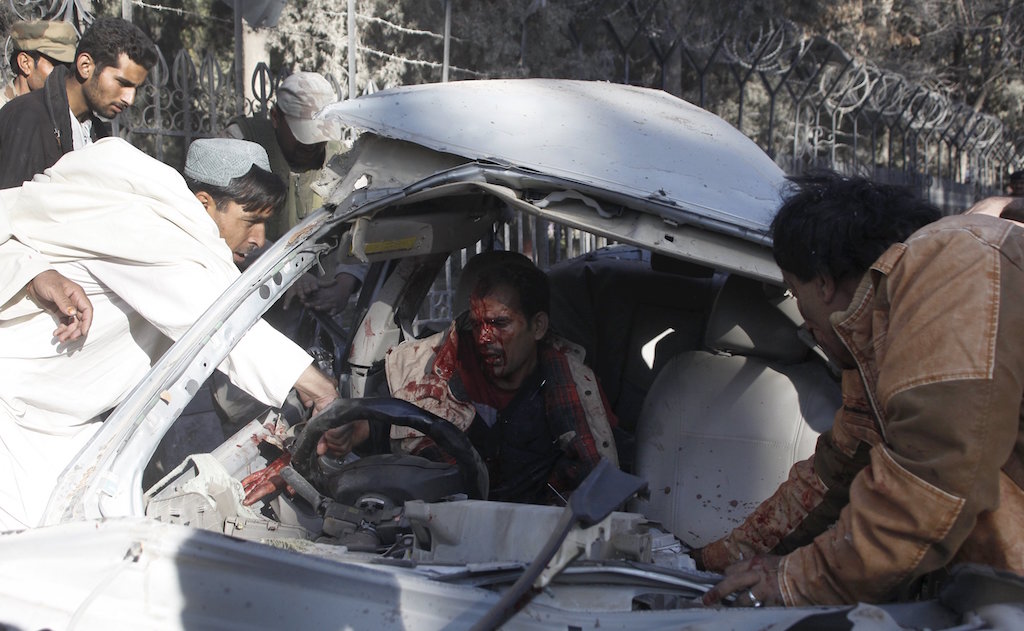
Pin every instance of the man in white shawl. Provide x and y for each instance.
(151, 255)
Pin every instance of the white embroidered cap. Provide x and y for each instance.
(217, 161)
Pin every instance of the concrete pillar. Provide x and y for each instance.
(255, 51)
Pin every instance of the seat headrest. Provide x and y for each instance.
(753, 318)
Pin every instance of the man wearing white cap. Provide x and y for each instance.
(297, 144)
(174, 251)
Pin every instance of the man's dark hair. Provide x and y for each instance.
(107, 38)
(838, 226)
(12, 62)
(518, 272)
(254, 191)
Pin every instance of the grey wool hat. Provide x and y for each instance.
(217, 161)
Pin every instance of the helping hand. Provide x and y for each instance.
(339, 441)
(755, 581)
(305, 286)
(328, 295)
(267, 481)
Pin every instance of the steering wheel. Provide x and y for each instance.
(398, 412)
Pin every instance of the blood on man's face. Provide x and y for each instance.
(505, 341)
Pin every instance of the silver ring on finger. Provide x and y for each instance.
(754, 600)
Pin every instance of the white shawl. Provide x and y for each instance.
(125, 227)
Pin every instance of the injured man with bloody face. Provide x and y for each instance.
(531, 408)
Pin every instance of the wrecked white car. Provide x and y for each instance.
(683, 318)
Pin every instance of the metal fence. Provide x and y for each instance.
(811, 104)
(183, 100)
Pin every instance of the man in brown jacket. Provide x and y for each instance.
(924, 465)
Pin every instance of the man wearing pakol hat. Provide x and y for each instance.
(112, 60)
(36, 48)
(153, 251)
(297, 144)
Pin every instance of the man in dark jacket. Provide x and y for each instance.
(298, 145)
(112, 60)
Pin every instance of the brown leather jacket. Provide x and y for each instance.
(925, 463)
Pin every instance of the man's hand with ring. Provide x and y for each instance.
(752, 599)
(755, 583)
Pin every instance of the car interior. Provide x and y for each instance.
(716, 393)
(712, 373)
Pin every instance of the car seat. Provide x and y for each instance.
(627, 313)
(721, 427)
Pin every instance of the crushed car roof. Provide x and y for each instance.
(626, 140)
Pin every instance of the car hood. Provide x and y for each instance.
(144, 574)
(675, 159)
